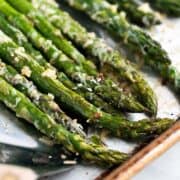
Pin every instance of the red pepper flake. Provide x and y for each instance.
(101, 76)
(97, 115)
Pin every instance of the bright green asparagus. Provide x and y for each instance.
(105, 88)
(21, 40)
(45, 102)
(171, 7)
(54, 35)
(25, 109)
(135, 12)
(98, 48)
(17, 57)
(133, 37)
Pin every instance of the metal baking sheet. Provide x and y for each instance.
(168, 34)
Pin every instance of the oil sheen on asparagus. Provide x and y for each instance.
(22, 40)
(103, 87)
(96, 47)
(17, 57)
(25, 109)
(45, 102)
(133, 37)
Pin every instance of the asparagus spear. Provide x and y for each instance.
(55, 35)
(97, 47)
(135, 13)
(171, 7)
(133, 37)
(25, 109)
(103, 87)
(45, 102)
(117, 126)
(90, 96)
(21, 40)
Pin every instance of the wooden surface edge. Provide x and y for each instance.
(142, 158)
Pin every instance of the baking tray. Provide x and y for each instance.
(168, 35)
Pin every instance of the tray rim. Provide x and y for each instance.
(145, 156)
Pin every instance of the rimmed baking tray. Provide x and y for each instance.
(168, 35)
